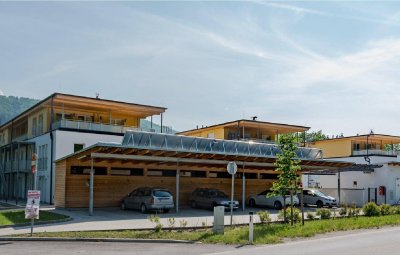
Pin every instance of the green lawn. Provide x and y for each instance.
(18, 217)
(264, 234)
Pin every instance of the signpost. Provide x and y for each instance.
(232, 169)
(33, 197)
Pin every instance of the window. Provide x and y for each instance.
(127, 171)
(40, 125)
(42, 158)
(34, 126)
(355, 183)
(210, 135)
(78, 146)
(85, 170)
(166, 173)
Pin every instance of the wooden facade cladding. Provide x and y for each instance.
(60, 184)
(109, 190)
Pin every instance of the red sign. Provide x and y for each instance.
(33, 163)
(34, 169)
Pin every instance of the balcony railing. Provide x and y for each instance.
(375, 152)
(17, 166)
(100, 127)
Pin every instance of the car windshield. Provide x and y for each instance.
(217, 193)
(161, 193)
(319, 193)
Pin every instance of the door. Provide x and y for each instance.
(397, 191)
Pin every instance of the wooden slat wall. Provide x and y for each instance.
(60, 184)
(109, 190)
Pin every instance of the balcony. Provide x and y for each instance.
(376, 152)
(100, 127)
(22, 166)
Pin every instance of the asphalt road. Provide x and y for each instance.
(368, 242)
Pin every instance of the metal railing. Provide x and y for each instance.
(17, 166)
(375, 152)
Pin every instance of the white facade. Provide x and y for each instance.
(64, 142)
(354, 185)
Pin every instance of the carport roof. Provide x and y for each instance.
(146, 146)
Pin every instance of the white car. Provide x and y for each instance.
(316, 197)
(275, 202)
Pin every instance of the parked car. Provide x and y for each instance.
(208, 198)
(148, 199)
(316, 197)
(275, 202)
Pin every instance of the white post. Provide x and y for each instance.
(243, 190)
(91, 188)
(251, 227)
(232, 191)
(34, 188)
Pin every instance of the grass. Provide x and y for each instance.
(18, 217)
(264, 234)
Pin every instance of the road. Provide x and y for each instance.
(368, 242)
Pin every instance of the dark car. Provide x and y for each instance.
(209, 198)
(148, 199)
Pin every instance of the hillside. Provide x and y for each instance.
(11, 106)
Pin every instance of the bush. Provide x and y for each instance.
(324, 213)
(310, 216)
(371, 209)
(156, 220)
(183, 223)
(296, 215)
(353, 211)
(264, 216)
(395, 210)
(343, 211)
(171, 222)
(385, 209)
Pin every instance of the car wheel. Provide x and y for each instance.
(278, 205)
(319, 204)
(193, 204)
(143, 208)
(252, 203)
(123, 206)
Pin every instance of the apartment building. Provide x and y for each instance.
(59, 125)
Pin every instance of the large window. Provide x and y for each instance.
(34, 126)
(42, 158)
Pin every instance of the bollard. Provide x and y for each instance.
(219, 220)
(251, 227)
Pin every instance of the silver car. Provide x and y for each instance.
(148, 199)
(275, 202)
(316, 197)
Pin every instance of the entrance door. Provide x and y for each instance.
(397, 191)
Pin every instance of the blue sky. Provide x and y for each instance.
(333, 66)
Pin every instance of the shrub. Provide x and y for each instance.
(171, 222)
(395, 210)
(310, 216)
(353, 211)
(324, 213)
(156, 220)
(296, 215)
(183, 223)
(343, 211)
(385, 209)
(371, 209)
(264, 216)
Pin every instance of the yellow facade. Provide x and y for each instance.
(334, 148)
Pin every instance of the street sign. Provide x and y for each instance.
(231, 167)
(32, 205)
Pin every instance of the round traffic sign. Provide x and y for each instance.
(231, 167)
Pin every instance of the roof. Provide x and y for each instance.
(64, 96)
(251, 123)
(371, 137)
(144, 145)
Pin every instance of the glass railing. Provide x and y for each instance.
(375, 152)
(100, 127)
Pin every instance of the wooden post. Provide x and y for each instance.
(91, 182)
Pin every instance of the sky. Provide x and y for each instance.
(332, 66)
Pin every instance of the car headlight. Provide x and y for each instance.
(224, 203)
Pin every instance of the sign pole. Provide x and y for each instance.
(34, 171)
(232, 168)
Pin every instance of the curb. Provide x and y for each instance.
(109, 240)
(37, 223)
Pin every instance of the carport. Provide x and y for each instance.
(180, 163)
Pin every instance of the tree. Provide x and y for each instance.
(287, 165)
(312, 136)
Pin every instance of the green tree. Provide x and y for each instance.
(288, 166)
(311, 136)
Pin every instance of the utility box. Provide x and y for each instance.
(219, 219)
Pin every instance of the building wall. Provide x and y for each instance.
(217, 133)
(334, 148)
